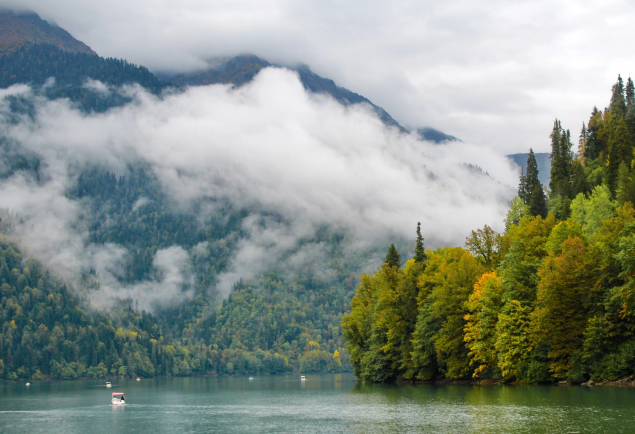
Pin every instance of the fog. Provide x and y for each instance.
(489, 72)
(270, 147)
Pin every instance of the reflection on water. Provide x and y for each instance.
(321, 404)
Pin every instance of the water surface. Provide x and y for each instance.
(322, 404)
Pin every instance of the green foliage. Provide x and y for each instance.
(589, 213)
(517, 210)
(392, 257)
(560, 191)
(485, 245)
(420, 252)
(36, 64)
(553, 298)
(530, 190)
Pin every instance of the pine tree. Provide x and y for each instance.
(392, 257)
(561, 162)
(625, 188)
(582, 141)
(595, 145)
(420, 252)
(579, 182)
(522, 186)
(530, 190)
(618, 102)
(630, 95)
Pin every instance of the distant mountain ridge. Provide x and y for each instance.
(26, 32)
(21, 28)
(242, 69)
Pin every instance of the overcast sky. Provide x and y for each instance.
(490, 72)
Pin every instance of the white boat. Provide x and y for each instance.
(302, 378)
(108, 384)
(138, 379)
(251, 378)
(118, 398)
(28, 384)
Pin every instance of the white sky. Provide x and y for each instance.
(490, 72)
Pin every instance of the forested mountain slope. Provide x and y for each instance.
(140, 281)
(277, 323)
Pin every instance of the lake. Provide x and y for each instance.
(322, 404)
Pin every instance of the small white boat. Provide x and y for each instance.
(118, 398)
(302, 378)
(28, 384)
(138, 379)
(108, 384)
(251, 378)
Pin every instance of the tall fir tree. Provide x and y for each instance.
(420, 251)
(582, 141)
(618, 100)
(630, 110)
(530, 189)
(561, 161)
(392, 257)
(595, 143)
(620, 148)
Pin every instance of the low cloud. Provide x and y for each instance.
(270, 147)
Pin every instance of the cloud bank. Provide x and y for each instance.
(488, 72)
(269, 147)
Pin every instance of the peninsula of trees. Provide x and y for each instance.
(550, 299)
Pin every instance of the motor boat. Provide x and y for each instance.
(118, 398)
(302, 378)
(138, 379)
(108, 384)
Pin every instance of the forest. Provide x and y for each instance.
(278, 323)
(551, 299)
(281, 321)
(55, 73)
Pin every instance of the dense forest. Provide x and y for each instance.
(550, 299)
(282, 320)
(277, 323)
(56, 73)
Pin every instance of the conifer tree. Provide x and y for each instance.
(630, 95)
(618, 101)
(561, 161)
(530, 190)
(619, 146)
(579, 183)
(582, 142)
(420, 252)
(392, 257)
(595, 145)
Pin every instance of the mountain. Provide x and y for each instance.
(542, 159)
(286, 318)
(18, 29)
(22, 30)
(433, 135)
(242, 69)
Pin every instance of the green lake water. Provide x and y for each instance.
(322, 404)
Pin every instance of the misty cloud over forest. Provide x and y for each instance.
(269, 147)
